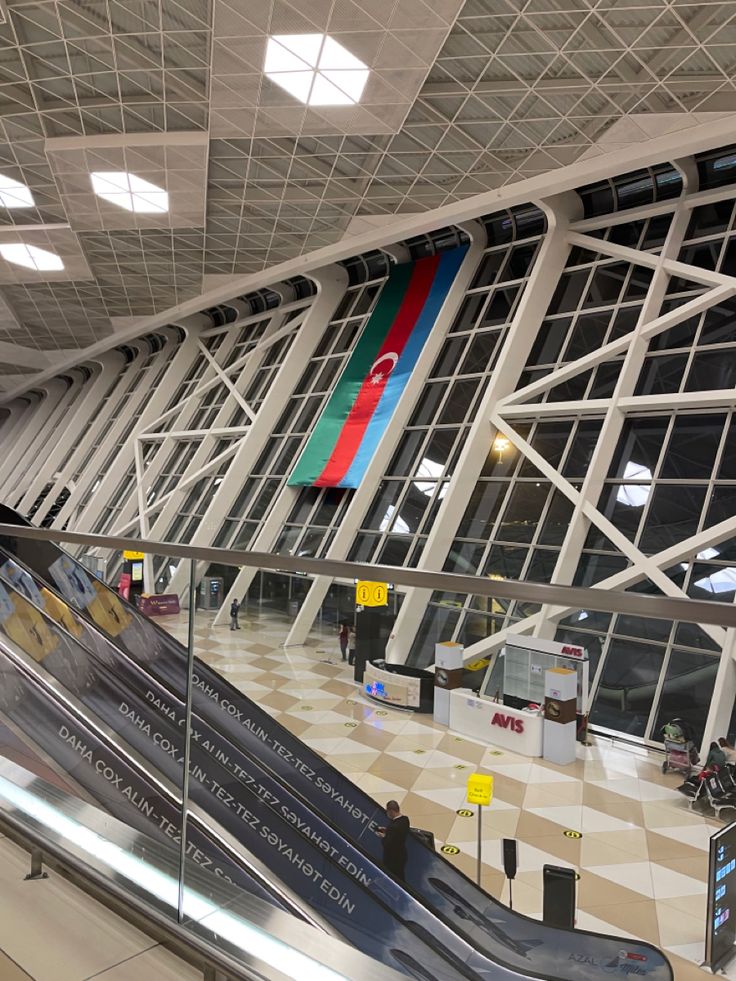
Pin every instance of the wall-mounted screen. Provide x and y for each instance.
(720, 933)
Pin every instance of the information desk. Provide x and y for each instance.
(495, 723)
(398, 685)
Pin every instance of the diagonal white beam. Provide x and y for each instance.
(686, 549)
(223, 375)
(619, 346)
(644, 563)
(674, 267)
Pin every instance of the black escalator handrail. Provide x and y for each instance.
(573, 597)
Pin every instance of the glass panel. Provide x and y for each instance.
(711, 370)
(692, 447)
(482, 509)
(662, 375)
(687, 691)
(556, 521)
(523, 512)
(552, 335)
(583, 446)
(673, 516)
(638, 448)
(626, 690)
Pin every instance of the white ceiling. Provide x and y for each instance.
(462, 98)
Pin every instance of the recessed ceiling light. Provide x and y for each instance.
(31, 257)
(13, 194)
(316, 69)
(130, 192)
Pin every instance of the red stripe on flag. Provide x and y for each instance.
(370, 392)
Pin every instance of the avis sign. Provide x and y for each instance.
(509, 722)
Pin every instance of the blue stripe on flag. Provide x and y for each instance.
(446, 271)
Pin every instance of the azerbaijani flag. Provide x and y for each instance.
(360, 408)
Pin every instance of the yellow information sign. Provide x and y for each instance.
(480, 788)
(133, 556)
(371, 593)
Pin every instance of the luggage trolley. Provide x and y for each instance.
(679, 749)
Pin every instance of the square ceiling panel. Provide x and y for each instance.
(59, 241)
(174, 162)
(398, 44)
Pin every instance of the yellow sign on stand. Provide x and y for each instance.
(371, 593)
(133, 556)
(480, 789)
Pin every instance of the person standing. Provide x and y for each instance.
(234, 610)
(342, 636)
(351, 645)
(394, 840)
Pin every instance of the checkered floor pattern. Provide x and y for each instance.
(641, 854)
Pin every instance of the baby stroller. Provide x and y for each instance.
(680, 753)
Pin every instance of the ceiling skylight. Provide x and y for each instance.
(130, 192)
(31, 257)
(315, 69)
(13, 194)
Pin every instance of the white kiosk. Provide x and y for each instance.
(508, 712)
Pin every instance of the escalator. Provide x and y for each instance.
(235, 732)
(70, 688)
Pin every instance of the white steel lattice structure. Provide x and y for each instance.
(592, 324)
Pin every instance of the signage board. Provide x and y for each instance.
(720, 929)
(371, 593)
(480, 788)
(133, 556)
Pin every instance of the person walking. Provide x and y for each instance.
(234, 610)
(351, 646)
(394, 840)
(342, 636)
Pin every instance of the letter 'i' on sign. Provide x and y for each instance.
(480, 788)
(371, 593)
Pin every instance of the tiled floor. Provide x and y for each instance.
(642, 856)
(52, 931)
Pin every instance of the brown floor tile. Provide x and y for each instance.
(686, 970)
(403, 774)
(293, 724)
(370, 736)
(595, 891)
(662, 847)
(279, 700)
(696, 868)
(636, 918)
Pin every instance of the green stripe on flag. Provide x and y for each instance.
(325, 434)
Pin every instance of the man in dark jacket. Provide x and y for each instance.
(234, 610)
(394, 840)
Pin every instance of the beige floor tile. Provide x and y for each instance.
(157, 964)
(678, 927)
(601, 850)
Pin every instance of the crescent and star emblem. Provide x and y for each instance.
(376, 374)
